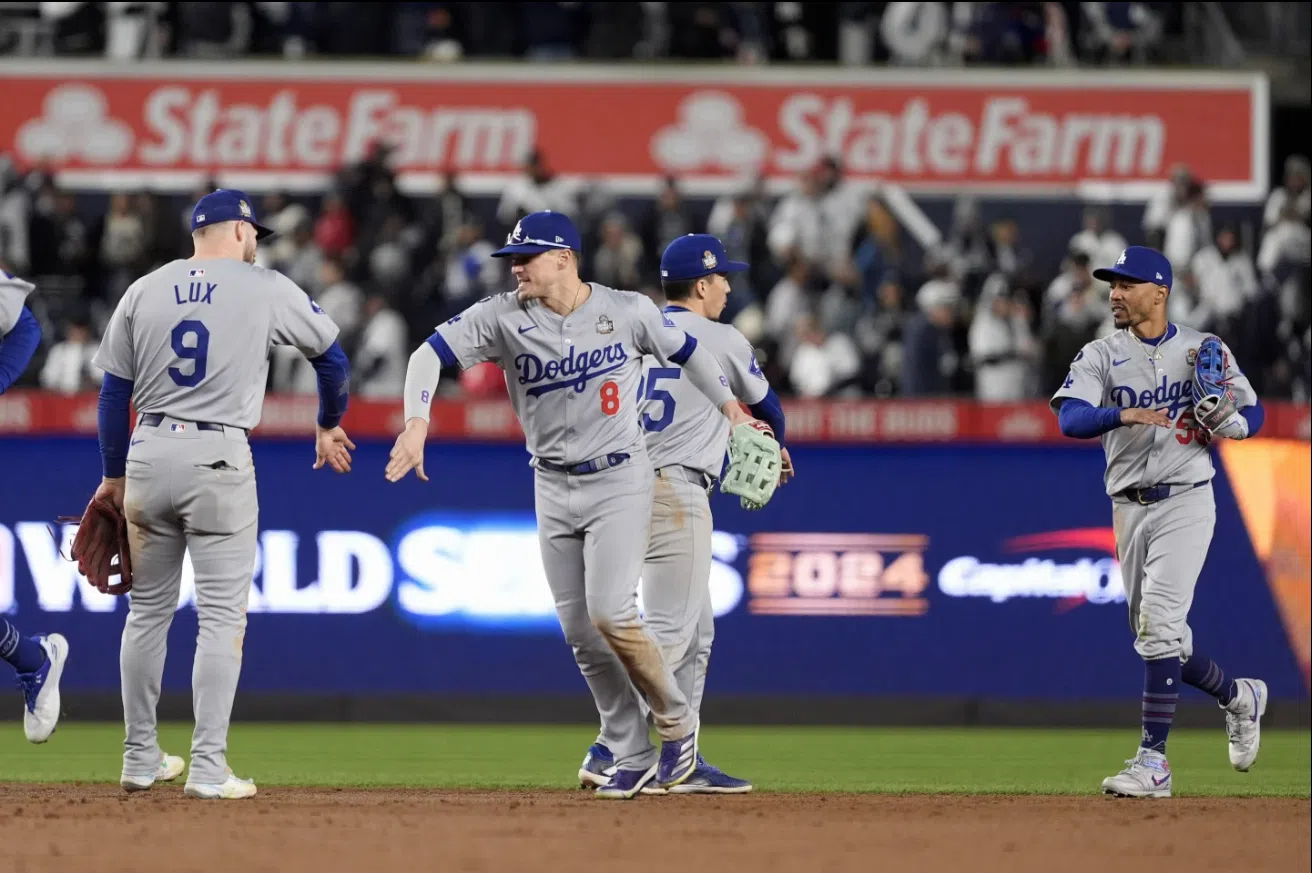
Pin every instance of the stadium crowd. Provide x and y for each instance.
(839, 302)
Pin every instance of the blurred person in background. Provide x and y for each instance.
(1098, 239)
(1189, 228)
(967, 249)
(739, 221)
(537, 190)
(551, 31)
(1120, 33)
(617, 261)
(381, 358)
(930, 359)
(1159, 209)
(1295, 190)
(877, 252)
(468, 273)
(68, 368)
(1003, 351)
(666, 220)
(818, 220)
(122, 246)
(1007, 254)
(342, 300)
(998, 34)
(821, 365)
(1227, 282)
(788, 301)
(334, 229)
(878, 335)
(915, 34)
(15, 214)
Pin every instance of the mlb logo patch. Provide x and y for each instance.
(177, 427)
(605, 325)
(196, 274)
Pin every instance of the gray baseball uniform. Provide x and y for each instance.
(13, 297)
(1161, 544)
(194, 339)
(573, 381)
(686, 443)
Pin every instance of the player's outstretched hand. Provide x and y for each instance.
(786, 470)
(408, 452)
(1154, 417)
(332, 447)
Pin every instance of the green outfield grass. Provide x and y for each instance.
(970, 761)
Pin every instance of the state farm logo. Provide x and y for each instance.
(75, 125)
(710, 133)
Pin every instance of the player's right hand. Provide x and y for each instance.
(408, 451)
(1154, 417)
(332, 447)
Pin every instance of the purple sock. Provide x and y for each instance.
(1203, 673)
(1161, 690)
(24, 653)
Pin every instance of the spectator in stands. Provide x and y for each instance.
(334, 231)
(930, 359)
(998, 33)
(551, 31)
(1157, 213)
(1073, 298)
(122, 245)
(703, 31)
(15, 215)
(1002, 348)
(1189, 228)
(818, 221)
(967, 248)
(788, 301)
(68, 368)
(915, 34)
(1296, 190)
(618, 260)
(667, 219)
(536, 190)
(1121, 33)
(1099, 240)
(1227, 282)
(879, 336)
(380, 360)
(822, 365)
(1007, 254)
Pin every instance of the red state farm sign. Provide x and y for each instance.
(269, 123)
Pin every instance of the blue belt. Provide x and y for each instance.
(154, 419)
(583, 469)
(1146, 496)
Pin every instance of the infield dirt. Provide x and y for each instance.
(100, 829)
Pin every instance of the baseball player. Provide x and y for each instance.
(39, 660)
(1157, 394)
(572, 352)
(189, 345)
(686, 443)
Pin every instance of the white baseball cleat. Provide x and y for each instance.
(1147, 774)
(41, 690)
(170, 768)
(1243, 722)
(232, 788)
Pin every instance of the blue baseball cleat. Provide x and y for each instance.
(678, 760)
(626, 784)
(706, 779)
(597, 768)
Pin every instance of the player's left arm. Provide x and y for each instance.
(655, 334)
(20, 334)
(1249, 415)
(113, 409)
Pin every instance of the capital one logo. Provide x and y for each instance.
(75, 125)
(711, 133)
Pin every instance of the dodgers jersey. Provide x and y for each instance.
(13, 296)
(1119, 370)
(572, 379)
(194, 337)
(680, 424)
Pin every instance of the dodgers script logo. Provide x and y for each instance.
(578, 369)
(1174, 396)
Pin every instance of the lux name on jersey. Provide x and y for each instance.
(582, 366)
(197, 292)
(1175, 396)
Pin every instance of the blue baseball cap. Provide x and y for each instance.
(541, 232)
(694, 256)
(226, 204)
(1139, 263)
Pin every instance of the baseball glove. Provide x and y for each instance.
(100, 546)
(754, 465)
(1214, 402)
